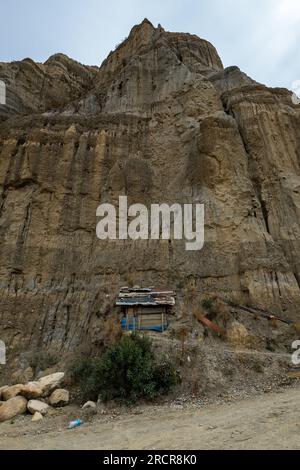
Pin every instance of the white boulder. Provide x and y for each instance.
(13, 407)
(32, 390)
(11, 392)
(37, 417)
(50, 382)
(89, 404)
(34, 406)
(59, 397)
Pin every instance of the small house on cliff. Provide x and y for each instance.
(145, 308)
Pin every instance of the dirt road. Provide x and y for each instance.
(269, 421)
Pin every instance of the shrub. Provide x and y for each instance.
(127, 371)
(207, 304)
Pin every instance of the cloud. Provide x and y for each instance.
(260, 36)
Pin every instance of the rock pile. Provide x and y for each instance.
(34, 397)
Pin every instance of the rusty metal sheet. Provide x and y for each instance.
(209, 324)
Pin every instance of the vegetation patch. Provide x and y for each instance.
(127, 371)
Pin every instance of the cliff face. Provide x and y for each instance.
(160, 121)
(33, 87)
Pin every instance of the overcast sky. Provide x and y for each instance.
(262, 37)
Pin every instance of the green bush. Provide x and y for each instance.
(127, 371)
(207, 304)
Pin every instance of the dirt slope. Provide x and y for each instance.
(265, 422)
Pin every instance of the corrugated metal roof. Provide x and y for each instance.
(145, 297)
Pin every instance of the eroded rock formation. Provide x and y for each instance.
(161, 121)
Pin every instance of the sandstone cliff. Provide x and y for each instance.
(161, 121)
